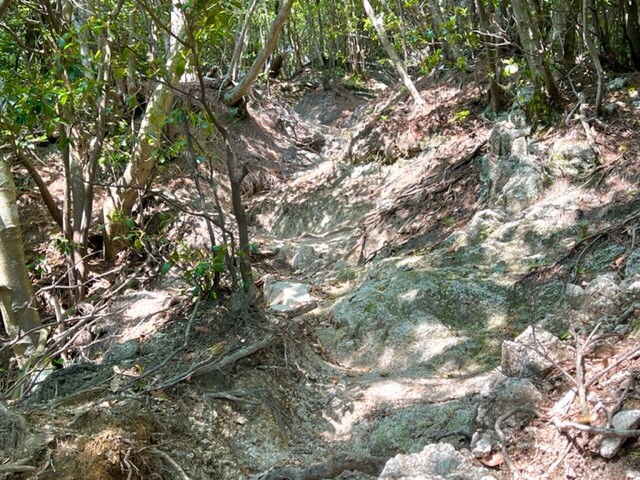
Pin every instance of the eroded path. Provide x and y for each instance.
(398, 251)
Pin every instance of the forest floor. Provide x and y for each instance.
(160, 385)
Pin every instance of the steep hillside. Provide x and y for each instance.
(449, 294)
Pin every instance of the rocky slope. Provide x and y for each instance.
(450, 296)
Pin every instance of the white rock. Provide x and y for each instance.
(284, 296)
(624, 420)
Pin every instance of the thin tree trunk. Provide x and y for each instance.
(593, 53)
(236, 172)
(235, 95)
(534, 51)
(312, 35)
(240, 43)
(134, 179)
(47, 198)
(82, 163)
(386, 44)
(18, 302)
(403, 31)
(451, 51)
(529, 40)
(4, 5)
(491, 54)
(632, 31)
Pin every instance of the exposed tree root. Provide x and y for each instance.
(590, 240)
(170, 461)
(216, 363)
(330, 469)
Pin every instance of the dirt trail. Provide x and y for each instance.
(396, 271)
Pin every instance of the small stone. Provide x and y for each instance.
(481, 444)
(520, 358)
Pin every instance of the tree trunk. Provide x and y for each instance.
(19, 306)
(529, 40)
(240, 43)
(534, 51)
(586, 36)
(451, 51)
(234, 96)
(492, 58)
(236, 175)
(134, 179)
(81, 164)
(386, 44)
(4, 5)
(47, 198)
(632, 31)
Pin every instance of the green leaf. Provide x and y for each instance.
(166, 266)
(218, 267)
(181, 67)
(202, 268)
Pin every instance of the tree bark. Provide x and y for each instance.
(240, 43)
(20, 313)
(81, 162)
(234, 96)
(492, 58)
(593, 53)
(632, 31)
(4, 6)
(534, 51)
(529, 39)
(393, 56)
(47, 198)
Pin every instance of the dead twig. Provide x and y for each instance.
(560, 458)
(187, 331)
(632, 355)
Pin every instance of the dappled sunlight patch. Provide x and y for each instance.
(143, 313)
(409, 295)
(497, 322)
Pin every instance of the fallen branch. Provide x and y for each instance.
(564, 425)
(560, 458)
(15, 468)
(214, 363)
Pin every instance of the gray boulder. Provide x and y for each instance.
(436, 461)
(530, 353)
